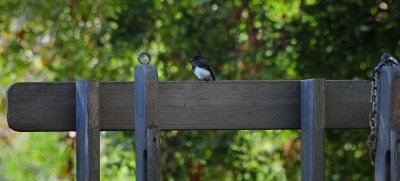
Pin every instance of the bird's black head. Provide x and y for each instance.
(198, 57)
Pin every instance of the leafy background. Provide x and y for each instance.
(67, 40)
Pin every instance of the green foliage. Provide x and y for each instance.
(254, 155)
(54, 40)
(349, 155)
(36, 156)
(117, 160)
(345, 38)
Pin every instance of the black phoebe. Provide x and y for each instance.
(201, 68)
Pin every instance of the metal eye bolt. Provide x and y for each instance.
(144, 60)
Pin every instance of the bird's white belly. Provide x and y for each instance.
(201, 73)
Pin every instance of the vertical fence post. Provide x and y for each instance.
(147, 133)
(312, 129)
(88, 130)
(395, 155)
(387, 153)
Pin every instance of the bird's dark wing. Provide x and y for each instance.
(211, 71)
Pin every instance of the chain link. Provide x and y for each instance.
(385, 60)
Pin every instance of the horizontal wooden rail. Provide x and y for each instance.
(253, 105)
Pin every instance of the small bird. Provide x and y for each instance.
(202, 69)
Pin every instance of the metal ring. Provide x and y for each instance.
(141, 54)
(393, 60)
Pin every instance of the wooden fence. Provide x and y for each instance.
(148, 106)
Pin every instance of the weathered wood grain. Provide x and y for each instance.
(117, 105)
(88, 131)
(41, 106)
(395, 126)
(147, 134)
(395, 153)
(187, 105)
(347, 104)
(230, 105)
(153, 153)
(312, 129)
(388, 92)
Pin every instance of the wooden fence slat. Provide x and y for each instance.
(153, 156)
(395, 126)
(387, 153)
(263, 104)
(147, 134)
(313, 130)
(88, 131)
(347, 104)
(395, 153)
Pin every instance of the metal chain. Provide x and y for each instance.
(373, 115)
(385, 60)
